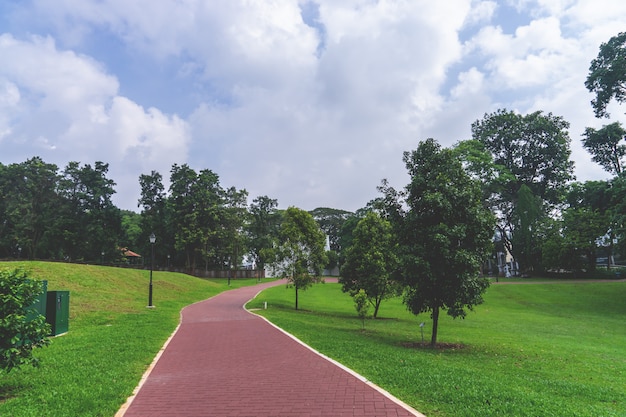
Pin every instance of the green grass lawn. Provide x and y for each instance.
(530, 350)
(112, 338)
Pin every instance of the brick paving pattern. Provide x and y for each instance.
(225, 361)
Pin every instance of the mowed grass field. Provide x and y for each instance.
(533, 349)
(112, 338)
(536, 349)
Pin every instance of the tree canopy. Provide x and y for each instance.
(301, 256)
(531, 151)
(607, 75)
(371, 261)
(605, 146)
(444, 233)
(263, 229)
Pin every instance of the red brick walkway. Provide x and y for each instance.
(225, 361)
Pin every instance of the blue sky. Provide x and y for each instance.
(309, 102)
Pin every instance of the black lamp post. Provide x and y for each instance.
(152, 240)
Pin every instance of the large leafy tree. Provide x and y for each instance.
(92, 222)
(606, 147)
(207, 199)
(301, 254)
(528, 218)
(444, 233)
(184, 218)
(262, 230)
(153, 215)
(233, 218)
(330, 221)
(617, 212)
(607, 75)
(30, 208)
(531, 151)
(572, 242)
(591, 218)
(371, 261)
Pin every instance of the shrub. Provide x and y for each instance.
(361, 305)
(21, 329)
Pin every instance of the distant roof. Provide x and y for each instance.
(129, 253)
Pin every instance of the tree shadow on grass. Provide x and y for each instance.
(439, 346)
(9, 391)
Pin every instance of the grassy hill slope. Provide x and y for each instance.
(112, 338)
(556, 349)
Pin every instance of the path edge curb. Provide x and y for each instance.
(334, 362)
(146, 374)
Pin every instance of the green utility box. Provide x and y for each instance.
(58, 311)
(40, 303)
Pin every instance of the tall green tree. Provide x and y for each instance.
(262, 230)
(605, 147)
(207, 199)
(184, 218)
(444, 233)
(330, 221)
(234, 216)
(527, 218)
(131, 230)
(532, 151)
(153, 203)
(607, 74)
(371, 261)
(301, 254)
(617, 213)
(346, 233)
(92, 222)
(591, 219)
(583, 228)
(30, 206)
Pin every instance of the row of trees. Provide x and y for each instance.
(49, 214)
(69, 215)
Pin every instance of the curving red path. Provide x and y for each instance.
(225, 361)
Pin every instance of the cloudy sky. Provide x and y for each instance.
(311, 102)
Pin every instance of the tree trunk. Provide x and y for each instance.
(433, 339)
(377, 306)
(296, 286)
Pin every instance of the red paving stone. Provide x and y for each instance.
(225, 361)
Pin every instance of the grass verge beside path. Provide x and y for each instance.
(112, 338)
(529, 350)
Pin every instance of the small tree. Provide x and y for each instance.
(301, 254)
(444, 232)
(19, 332)
(370, 261)
(361, 304)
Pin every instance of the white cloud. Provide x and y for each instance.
(278, 110)
(63, 107)
(480, 12)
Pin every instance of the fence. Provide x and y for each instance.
(233, 273)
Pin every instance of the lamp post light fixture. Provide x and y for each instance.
(152, 240)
